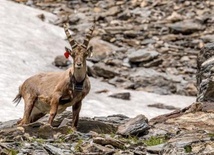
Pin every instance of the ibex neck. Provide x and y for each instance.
(79, 74)
(77, 85)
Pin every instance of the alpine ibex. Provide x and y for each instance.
(53, 92)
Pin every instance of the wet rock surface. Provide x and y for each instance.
(162, 35)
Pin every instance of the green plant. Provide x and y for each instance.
(188, 149)
(211, 135)
(155, 140)
(70, 131)
(38, 140)
(133, 139)
(61, 140)
(13, 152)
(78, 146)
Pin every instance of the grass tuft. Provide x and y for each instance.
(152, 141)
(188, 149)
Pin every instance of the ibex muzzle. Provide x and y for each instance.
(53, 92)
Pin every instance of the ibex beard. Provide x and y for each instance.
(53, 92)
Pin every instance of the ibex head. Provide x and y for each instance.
(79, 52)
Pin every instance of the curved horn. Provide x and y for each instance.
(69, 37)
(88, 37)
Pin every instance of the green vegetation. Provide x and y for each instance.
(70, 131)
(133, 140)
(78, 146)
(211, 135)
(38, 140)
(155, 140)
(13, 152)
(188, 149)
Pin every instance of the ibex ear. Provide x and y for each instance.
(68, 52)
(90, 51)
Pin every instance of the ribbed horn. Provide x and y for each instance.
(69, 37)
(88, 37)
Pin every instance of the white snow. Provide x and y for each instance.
(29, 45)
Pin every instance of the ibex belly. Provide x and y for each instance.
(42, 107)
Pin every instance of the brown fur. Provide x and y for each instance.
(53, 92)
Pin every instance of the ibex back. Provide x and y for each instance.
(53, 92)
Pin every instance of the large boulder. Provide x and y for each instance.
(205, 73)
(189, 130)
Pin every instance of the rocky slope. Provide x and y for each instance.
(188, 131)
(30, 45)
(169, 51)
(146, 44)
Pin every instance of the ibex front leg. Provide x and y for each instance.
(54, 108)
(76, 110)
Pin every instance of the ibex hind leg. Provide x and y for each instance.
(29, 104)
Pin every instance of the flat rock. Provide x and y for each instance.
(136, 126)
(208, 38)
(101, 49)
(142, 56)
(108, 141)
(124, 95)
(186, 27)
(53, 149)
(105, 71)
(156, 149)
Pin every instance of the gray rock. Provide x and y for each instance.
(136, 126)
(112, 11)
(205, 76)
(125, 15)
(186, 27)
(109, 141)
(8, 124)
(96, 126)
(105, 71)
(113, 119)
(147, 41)
(162, 106)
(101, 49)
(124, 95)
(156, 149)
(127, 152)
(142, 56)
(132, 34)
(40, 152)
(98, 149)
(208, 38)
(61, 61)
(193, 143)
(53, 150)
(140, 150)
(152, 81)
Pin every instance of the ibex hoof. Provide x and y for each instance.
(74, 128)
(20, 122)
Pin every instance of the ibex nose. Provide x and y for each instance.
(79, 64)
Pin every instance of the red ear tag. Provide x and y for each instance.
(66, 54)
